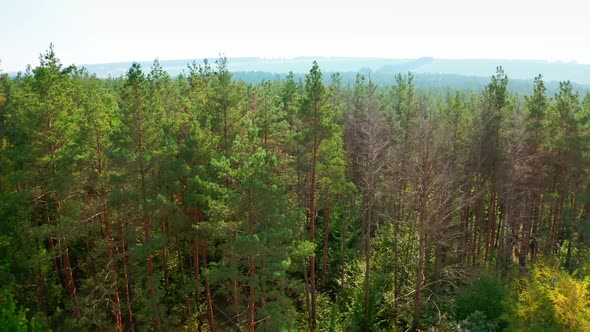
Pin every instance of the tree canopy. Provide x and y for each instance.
(205, 203)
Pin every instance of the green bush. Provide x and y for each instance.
(485, 294)
(549, 299)
(477, 322)
(12, 319)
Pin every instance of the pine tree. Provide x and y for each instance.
(94, 121)
(369, 144)
(495, 99)
(136, 154)
(317, 124)
(40, 138)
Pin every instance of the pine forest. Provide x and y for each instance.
(201, 202)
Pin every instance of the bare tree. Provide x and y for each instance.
(368, 141)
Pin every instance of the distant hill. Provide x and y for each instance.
(463, 74)
(518, 69)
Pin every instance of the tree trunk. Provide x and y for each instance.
(51, 243)
(477, 236)
(368, 221)
(326, 240)
(419, 280)
(188, 303)
(343, 254)
(164, 228)
(70, 285)
(491, 220)
(465, 216)
(421, 252)
(312, 217)
(150, 267)
(208, 294)
(251, 272)
(527, 229)
(307, 290)
(235, 297)
(112, 268)
(125, 275)
(396, 281)
(196, 216)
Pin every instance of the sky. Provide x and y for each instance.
(89, 31)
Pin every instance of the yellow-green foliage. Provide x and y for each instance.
(549, 299)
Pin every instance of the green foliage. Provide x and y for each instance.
(199, 202)
(485, 294)
(14, 318)
(11, 318)
(549, 299)
(477, 321)
(331, 318)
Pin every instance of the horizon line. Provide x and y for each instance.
(318, 57)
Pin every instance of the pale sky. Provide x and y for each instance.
(89, 31)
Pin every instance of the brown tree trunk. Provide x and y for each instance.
(537, 222)
(527, 229)
(70, 279)
(164, 228)
(326, 239)
(196, 216)
(307, 290)
(369, 203)
(507, 215)
(41, 291)
(70, 285)
(396, 252)
(550, 219)
(343, 254)
(112, 268)
(235, 297)
(125, 274)
(477, 236)
(51, 243)
(251, 272)
(208, 294)
(465, 216)
(557, 224)
(312, 217)
(421, 244)
(251, 296)
(150, 267)
(419, 280)
(491, 220)
(396, 279)
(188, 303)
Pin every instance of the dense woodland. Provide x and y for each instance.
(202, 203)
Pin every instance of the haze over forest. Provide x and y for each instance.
(482, 68)
(464, 74)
